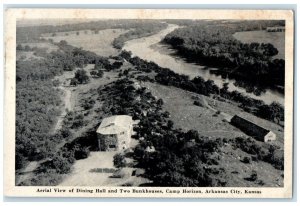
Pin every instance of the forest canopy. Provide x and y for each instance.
(213, 45)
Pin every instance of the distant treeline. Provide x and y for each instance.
(31, 33)
(244, 25)
(212, 44)
(273, 112)
(146, 29)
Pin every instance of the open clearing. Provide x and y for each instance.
(26, 55)
(100, 43)
(82, 173)
(86, 172)
(188, 116)
(42, 45)
(230, 160)
(275, 38)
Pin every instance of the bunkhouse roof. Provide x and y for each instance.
(115, 124)
(239, 120)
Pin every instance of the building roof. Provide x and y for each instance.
(251, 126)
(115, 124)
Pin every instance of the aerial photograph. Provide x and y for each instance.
(150, 102)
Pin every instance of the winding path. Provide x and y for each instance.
(67, 107)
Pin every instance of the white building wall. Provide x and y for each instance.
(271, 136)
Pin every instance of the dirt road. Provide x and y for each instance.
(67, 107)
(27, 172)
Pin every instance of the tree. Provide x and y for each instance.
(20, 47)
(192, 134)
(276, 112)
(81, 76)
(160, 102)
(225, 86)
(126, 72)
(74, 82)
(119, 161)
(100, 73)
(61, 164)
(93, 73)
(20, 161)
(27, 48)
(63, 43)
(81, 152)
(126, 54)
(56, 82)
(170, 124)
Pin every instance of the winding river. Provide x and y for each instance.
(150, 48)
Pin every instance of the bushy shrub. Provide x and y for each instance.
(246, 160)
(119, 161)
(81, 76)
(88, 104)
(20, 161)
(262, 151)
(81, 152)
(61, 164)
(197, 103)
(252, 177)
(65, 132)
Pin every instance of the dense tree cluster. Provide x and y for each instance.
(69, 57)
(50, 172)
(37, 101)
(36, 108)
(214, 45)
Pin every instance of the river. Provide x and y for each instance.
(150, 49)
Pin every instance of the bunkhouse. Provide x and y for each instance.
(253, 129)
(114, 133)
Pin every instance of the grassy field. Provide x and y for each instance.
(187, 116)
(27, 55)
(42, 45)
(99, 43)
(275, 38)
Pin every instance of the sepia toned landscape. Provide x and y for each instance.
(183, 103)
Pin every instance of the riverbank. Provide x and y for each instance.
(150, 49)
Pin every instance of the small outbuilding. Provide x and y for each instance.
(252, 129)
(114, 133)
